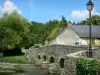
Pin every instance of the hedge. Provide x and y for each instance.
(87, 66)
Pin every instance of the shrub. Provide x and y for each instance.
(86, 66)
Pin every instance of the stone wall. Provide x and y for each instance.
(70, 60)
(55, 51)
(96, 53)
(69, 53)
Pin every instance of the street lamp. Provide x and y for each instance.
(90, 6)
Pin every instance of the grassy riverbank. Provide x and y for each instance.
(13, 59)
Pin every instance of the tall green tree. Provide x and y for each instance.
(74, 23)
(95, 20)
(37, 31)
(40, 31)
(13, 27)
(64, 21)
(62, 24)
(84, 22)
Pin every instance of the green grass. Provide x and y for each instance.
(13, 59)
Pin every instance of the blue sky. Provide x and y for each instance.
(45, 10)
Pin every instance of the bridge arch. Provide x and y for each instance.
(39, 57)
(62, 63)
(44, 57)
(52, 60)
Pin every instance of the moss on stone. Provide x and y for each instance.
(53, 33)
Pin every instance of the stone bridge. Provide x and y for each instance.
(55, 58)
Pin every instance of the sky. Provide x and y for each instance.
(45, 10)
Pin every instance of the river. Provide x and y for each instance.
(30, 70)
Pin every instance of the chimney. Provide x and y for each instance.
(69, 24)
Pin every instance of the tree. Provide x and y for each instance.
(74, 23)
(84, 22)
(95, 20)
(64, 21)
(37, 32)
(61, 24)
(69, 22)
(78, 23)
(13, 27)
(40, 31)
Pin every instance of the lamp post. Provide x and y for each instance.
(90, 6)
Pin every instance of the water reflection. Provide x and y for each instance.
(31, 70)
(25, 73)
(6, 73)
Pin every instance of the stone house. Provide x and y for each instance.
(76, 35)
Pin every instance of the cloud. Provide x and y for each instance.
(9, 7)
(83, 14)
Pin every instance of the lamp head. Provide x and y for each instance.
(90, 5)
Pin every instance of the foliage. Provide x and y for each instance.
(40, 31)
(74, 23)
(64, 21)
(37, 32)
(95, 20)
(16, 31)
(12, 29)
(84, 22)
(61, 24)
(87, 66)
(53, 33)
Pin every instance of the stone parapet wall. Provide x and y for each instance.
(56, 51)
(96, 53)
(70, 62)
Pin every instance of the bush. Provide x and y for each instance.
(86, 66)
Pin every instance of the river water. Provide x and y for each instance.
(31, 70)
